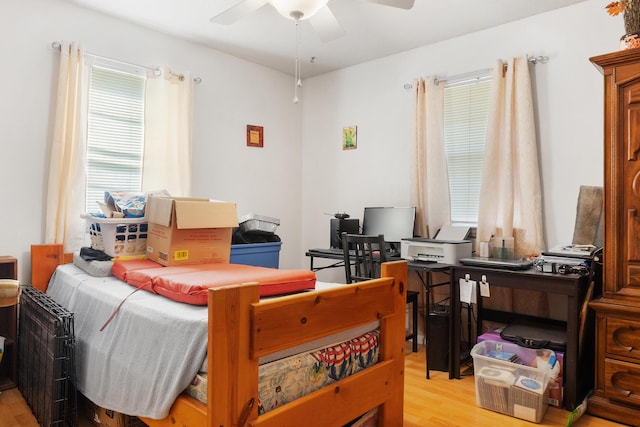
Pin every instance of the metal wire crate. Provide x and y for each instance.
(46, 369)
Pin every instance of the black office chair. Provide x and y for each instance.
(365, 253)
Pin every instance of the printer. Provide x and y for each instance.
(442, 251)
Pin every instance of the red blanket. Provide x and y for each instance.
(189, 283)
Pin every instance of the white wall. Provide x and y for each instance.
(233, 93)
(300, 182)
(568, 90)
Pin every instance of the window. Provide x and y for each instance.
(115, 132)
(466, 108)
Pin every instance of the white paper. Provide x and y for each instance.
(448, 232)
(484, 289)
(468, 291)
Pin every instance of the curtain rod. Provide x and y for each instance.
(156, 71)
(476, 75)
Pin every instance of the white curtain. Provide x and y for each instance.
(510, 195)
(66, 184)
(167, 145)
(429, 182)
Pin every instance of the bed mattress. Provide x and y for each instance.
(284, 380)
(149, 337)
(138, 347)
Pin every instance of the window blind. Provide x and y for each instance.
(466, 108)
(115, 133)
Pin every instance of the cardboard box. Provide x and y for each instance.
(107, 418)
(185, 231)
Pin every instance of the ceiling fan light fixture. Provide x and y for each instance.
(298, 9)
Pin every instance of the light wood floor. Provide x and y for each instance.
(428, 403)
(440, 402)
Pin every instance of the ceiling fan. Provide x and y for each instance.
(320, 16)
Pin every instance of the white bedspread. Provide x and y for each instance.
(152, 348)
(145, 357)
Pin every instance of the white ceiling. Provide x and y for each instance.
(372, 31)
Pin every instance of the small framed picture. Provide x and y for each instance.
(350, 138)
(255, 136)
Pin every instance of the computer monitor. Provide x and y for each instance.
(396, 223)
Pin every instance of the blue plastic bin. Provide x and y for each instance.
(258, 254)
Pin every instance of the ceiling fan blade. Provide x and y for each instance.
(236, 12)
(402, 4)
(326, 25)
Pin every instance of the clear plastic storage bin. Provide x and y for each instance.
(506, 386)
(258, 222)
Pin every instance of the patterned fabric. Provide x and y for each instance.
(285, 380)
(365, 351)
(198, 387)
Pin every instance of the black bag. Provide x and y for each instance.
(535, 335)
(240, 236)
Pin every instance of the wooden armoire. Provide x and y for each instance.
(616, 393)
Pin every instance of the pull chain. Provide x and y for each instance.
(298, 79)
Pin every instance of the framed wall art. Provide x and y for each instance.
(255, 136)
(350, 138)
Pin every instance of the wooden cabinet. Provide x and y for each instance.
(8, 329)
(617, 378)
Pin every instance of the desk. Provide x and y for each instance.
(422, 269)
(412, 296)
(338, 257)
(573, 286)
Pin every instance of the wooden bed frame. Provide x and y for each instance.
(250, 328)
